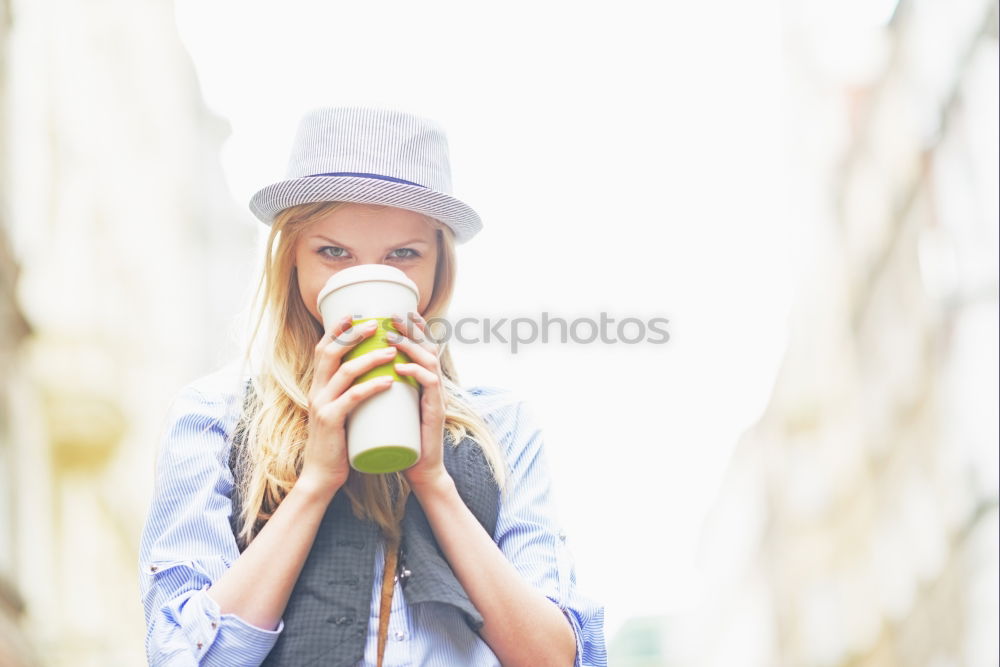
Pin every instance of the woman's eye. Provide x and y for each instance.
(330, 247)
(411, 253)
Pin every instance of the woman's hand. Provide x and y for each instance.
(416, 343)
(325, 464)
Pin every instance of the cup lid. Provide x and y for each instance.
(363, 273)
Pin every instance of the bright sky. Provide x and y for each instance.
(626, 161)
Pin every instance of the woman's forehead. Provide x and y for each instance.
(389, 225)
(352, 214)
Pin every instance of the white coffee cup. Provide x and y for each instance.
(383, 431)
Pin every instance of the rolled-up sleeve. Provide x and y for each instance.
(584, 614)
(187, 544)
(528, 530)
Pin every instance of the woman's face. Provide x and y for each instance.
(356, 234)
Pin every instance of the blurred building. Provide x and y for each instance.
(15, 649)
(15, 646)
(124, 263)
(857, 524)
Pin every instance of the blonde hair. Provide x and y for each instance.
(275, 429)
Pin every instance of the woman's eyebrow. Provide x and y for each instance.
(410, 242)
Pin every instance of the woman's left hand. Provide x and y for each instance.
(417, 344)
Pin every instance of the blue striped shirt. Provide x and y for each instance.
(187, 544)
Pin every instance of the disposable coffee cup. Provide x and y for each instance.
(383, 431)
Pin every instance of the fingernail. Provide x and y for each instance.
(393, 337)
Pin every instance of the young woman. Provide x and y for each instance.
(263, 546)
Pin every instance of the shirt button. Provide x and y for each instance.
(400, 636)
(214, 625)
(199, 646)
(153, 568)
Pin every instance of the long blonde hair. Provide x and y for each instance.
(275, 429)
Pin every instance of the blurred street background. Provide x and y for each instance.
(806, 474)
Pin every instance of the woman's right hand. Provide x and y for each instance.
(325, 465)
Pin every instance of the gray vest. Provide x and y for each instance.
(326, 620)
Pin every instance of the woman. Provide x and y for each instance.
(263, 546)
